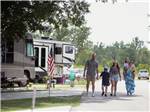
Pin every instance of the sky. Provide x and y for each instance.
(118, 22)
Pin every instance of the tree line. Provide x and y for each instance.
(134, 50)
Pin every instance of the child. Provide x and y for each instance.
(105, 80)
(72, 77)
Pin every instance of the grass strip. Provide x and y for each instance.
(23, 104)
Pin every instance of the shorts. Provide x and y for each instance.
(114, 77)
(90, 77)
(105, 83)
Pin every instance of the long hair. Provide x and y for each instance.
(117, 65)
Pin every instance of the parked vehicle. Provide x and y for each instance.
(62, 52)
(24, 60)
(143, 73)
(17, 61)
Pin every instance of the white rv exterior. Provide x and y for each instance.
(17, 61)
(62, 52)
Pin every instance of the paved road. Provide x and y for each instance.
(122, 102)
(51, 109)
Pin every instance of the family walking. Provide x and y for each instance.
(109, 76)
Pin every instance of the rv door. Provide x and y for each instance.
(41, 55)
(68, 54)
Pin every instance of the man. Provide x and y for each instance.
(91, 67)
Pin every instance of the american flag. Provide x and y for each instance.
(51, 65)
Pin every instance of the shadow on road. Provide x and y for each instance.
(102, 99)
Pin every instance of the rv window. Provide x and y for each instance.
(29, 49)
(43, 51)
(7, 54)
(36, 50)
(58, 50)
(69, 49)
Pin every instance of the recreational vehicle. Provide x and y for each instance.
(62, 52)
(17, 61)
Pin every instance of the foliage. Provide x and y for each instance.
(83, 56)
(81, 82)
(78, 66)
(18, 17)
(76, 35)
(143, 56)
(143, 66)
(100, 68)
(135, 50)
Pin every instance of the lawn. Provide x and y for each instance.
(78, 84)
(23, 104)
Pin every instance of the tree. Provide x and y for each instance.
(144, 56)
(19, 17)
(136, 43)
(79, 37)
(61, 34)
(84, 54)
(134, 50)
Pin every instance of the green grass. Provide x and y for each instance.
(67, 87)
(23, 104)
(78, 66)
(78, 84)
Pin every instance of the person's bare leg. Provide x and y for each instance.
(112, 84)
(93, 87)
(102, 88)
(105, 90)
(87, 86)
(115, 88)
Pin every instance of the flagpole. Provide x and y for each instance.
(49, 90)
(49, 85)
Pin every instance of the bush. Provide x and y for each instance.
(100, 68)
(143, 66)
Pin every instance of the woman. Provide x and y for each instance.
(114, 77)
(129, 79)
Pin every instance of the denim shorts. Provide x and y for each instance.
(114, 77)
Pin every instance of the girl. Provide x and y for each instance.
(114, 77)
